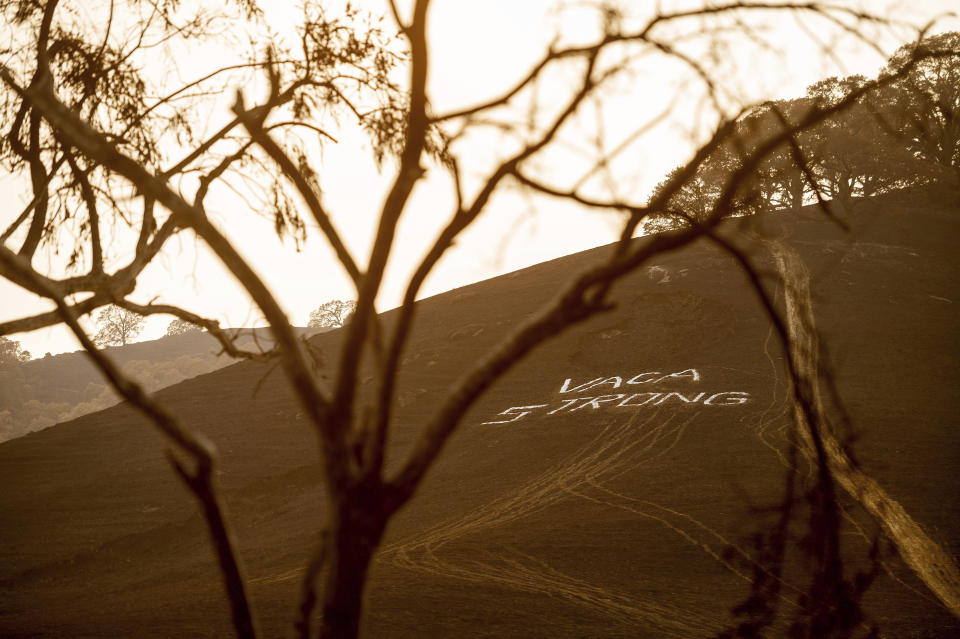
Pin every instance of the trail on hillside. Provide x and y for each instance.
(771, 427)
(931, 563)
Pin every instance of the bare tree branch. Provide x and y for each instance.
(293, 173)
(409, 173)
(227, 342)
(461, 219)
(90, 200)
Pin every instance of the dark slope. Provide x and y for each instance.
(62, 378)
(604, 522)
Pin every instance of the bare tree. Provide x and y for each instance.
(334, 313)
(85, 127)
(117, 326)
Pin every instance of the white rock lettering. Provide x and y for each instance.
(626, 399)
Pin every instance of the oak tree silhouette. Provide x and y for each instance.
(117, 326)
(332, 314)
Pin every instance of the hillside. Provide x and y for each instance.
(62, 387)
(612, 485)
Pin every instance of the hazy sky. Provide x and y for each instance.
(478, 49)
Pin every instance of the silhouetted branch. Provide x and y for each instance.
(227, 342)
(643, 35)
(308, 587)
(293, 173)
(90, 200)
(409, 172)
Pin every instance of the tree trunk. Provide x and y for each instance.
(356, 534)
(796, 191)
(842, 194)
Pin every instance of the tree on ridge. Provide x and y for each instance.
(117, 326)
(179, 327)
(896, 135)
(12, 382)
(12, 351)
(332, 314)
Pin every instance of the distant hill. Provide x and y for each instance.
(62, 387)
(617, 483)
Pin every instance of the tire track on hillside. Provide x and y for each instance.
(616, 447)
(644, 508)
(604, 451)
(928, 560)
(616, 450)
(774, 411)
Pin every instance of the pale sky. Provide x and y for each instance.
(477, 50)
